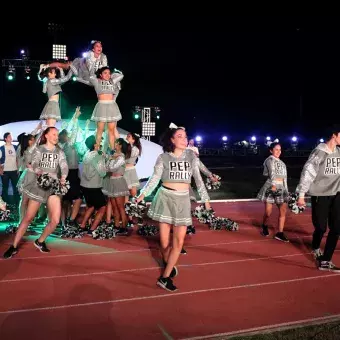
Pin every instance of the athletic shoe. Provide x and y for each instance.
(264, 230)
(329, 266)
(10, 252)
(167, 284)
(281, 237)
(41, 246)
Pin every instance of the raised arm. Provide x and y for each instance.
(63, 79)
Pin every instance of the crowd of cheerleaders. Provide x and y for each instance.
(109, 178)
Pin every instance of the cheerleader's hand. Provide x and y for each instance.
(140, 198)
(214, 178)
(62, 180)
(77, 112)
(3, 206)
(273, 188)
(301, 202)
(207, 205)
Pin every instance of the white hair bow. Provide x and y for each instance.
(276, 141)
(174, 126)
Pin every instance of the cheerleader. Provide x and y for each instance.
(91, 183)
(191, 146)
(274, 191)
(25, 159)
(52, 78)
(68, 139)
(106, 111)
(49, 159)
(130, 174)
(320, 179)
(171, 205)
(94, 60)
(115, 187)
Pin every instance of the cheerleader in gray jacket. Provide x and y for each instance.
(49, 159)
(115, 186)
(320, 178)
(94, 60)
(274, 191)
(171, 205)
(130, 172)
(53, 78)
(106, 111)
(27, 146)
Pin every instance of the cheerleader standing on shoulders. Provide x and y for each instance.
(91, 183)
(49, 159)
(320, 178)
(52, 78)
(106, 111)
(130, 174)
(115, 187)
(68, 139)
(171, 205)
(276, 172)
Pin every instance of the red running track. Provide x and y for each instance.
(229, 283)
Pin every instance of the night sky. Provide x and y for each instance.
(238, 76)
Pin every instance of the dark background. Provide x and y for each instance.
(238, 76)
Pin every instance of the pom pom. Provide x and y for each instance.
(46, 182)
(148, 230)
(72, 231)
(5, 215)
(215, 223)
(219, 223)
(104, 232)
(274, 193)
(60, 189)
(134, 209)
(292, 204)
(213, 185)
(191, 230)
(204, 216)
(11, 229)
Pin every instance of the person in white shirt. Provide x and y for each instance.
(9, 168)
(191, 146)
